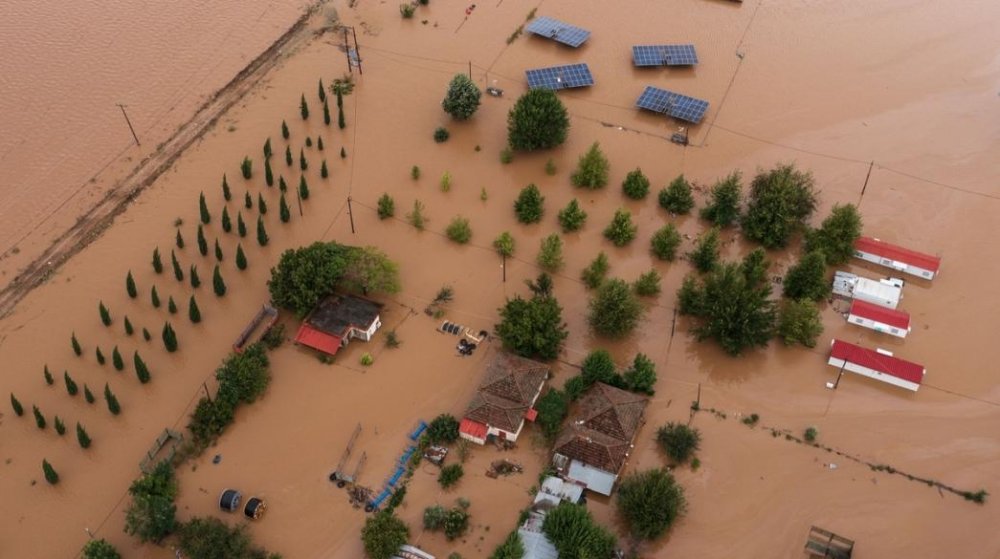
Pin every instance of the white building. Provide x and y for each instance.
(880, 319)
(879, 364)
(898, 258)
(884, 292)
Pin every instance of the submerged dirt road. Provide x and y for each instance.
(907, 85)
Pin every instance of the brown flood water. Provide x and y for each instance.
(910, 85)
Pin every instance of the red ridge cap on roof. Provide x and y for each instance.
(900, 368)
(888, 250)
(892, 317)
(473, 428)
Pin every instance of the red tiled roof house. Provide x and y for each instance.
(898, 258)
(504, 399)
(336, 320)
(597, 439)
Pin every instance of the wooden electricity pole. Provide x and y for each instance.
(129, 122)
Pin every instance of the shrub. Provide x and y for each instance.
(529, 205)
(303, 163)
(343, 152)
(462, 98)
(71, 387)
(676, 198)
(572, 217)
(483, 195)
(807, 279)
(367, 359)
(650, 502)
(99, 355)
(705, 256)
(218, 251)
(157, 263)
(445, 182)
(506, 156)
(100, 549)
(810, 434)
(288, 156)
(636, 185)
(504, 244)
(130, 286)
(268, 173)
(441, 134)
(386, 206)
(193, 275)
(169, 338)
(146, 335)
(326, 120)
(414, 172)
(179, 239)
(511, 548)
(284, 212)
(592, 169)
(267, 155)
(383, 534)
(836, 236)
(665, 241)
(323, 171)
(621, 231)
(261, 204)
(574, 533)
(194, 313)
(679, 441)
(754, 266)
(723, 208)
(614, 310)
(538, 120)
(15, 404)
(105, 315)
(641, 376)
(443, 429)
(113, 406)
(326, 117)
(799, 323)
(459, 230)
(648, 284)
(552, 409)
(416, 216)
(594, 274)
(781, 201)
(550, 167)
(406, 10)
(50, 473)
(550, 256)
(39, 417)
(206, 217)
(450, 475)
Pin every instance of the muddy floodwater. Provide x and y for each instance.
(892, 105)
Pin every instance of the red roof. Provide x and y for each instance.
(892, 317)
(472, 428)
(311, 337)
(876, 361)
(898, 253)
(531, 414)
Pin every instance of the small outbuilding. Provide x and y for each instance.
(884, 292)
(504, 399)
(876, 364)
(880, 319)
(336, 320)
(896, 257)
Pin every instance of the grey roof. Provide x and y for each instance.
(337, 314)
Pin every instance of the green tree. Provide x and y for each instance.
(154, 297)
(598, 366)
(504, 244)
(146, 335)
(305, 275)
(369, 269)
(511, 548)
(550, 255)
(614, 310)
(443, 429)
(799, 323)
(48, 376)
(243, 377)
(621, 231)
(529, 205)
(592, 169)
(246, 167)
(532, 327)
(39, 417)
(552, 407)
(211, 538)
(262, 237)
(459, 230)
(284, 130)
(664, 242)
(288, 156)
(76, 343)
(179, 239)
(116, 359)
(754, 266)
(641, 376)
(100, 549)
(50, 473)
(574, 533)
(206, 217)
(386, 206)
(723, 207)
(261, 204)
(71, 387)
(241, 258)
(15, 404)
(780, 203)
(141, 370)
(87, 394)
(303, 163)
(647, 284)
(227, 223)
(218, 284)
(650, 502)
(99, 355)
(807, 279)
(538, 120)
(676, 198)
(679, 441)
(595, 273)
(193, 275)
(178, 272)
(323, 171)
(82, 437)
(284, 212)
(734, 311)
(129, 329)
(341, 123)
(636, 185)
(705, 256)
(151, 516)
(169, 338)
(462, 98)
(572, 217)
(326, 114)
(304, 108)
(836, 236)
(202, 241)
(450, 475)
(268, 173)
(105, 315)
(130, 286)
(383, 534)
(171, 305)
(241, 226)
(303, 188)
(194, 313)
(226, 193)
(157, 263)
(113, 406)
(416, 217)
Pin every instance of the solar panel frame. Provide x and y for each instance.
(560, 77)
(558, 31)
(672, 104)
(664, 55)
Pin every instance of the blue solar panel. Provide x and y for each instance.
(673, 104)
(558, 31)
(560, 77)
(664, 55)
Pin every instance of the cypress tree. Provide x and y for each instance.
(39, 418)
(169, 338)
(99, 355)
(323, 172)
(146, 335)
(326, 114)
(227, 224)
(206, 217)
(268, 173)
(267, 150)
(284, 130)
(340, 100)
(288, 155)
(340, 116)
(130, 285)
(261, 204)
(282, 186)
(309, 141)
(246, 167)
(241, 227)
(16, 405)
(128, 326)
(218, 283)
(303, 164)
(178, 272)
(116, 359)
(194, 313)
(179, 239)
(50, 473)
(155, 297)
(225, 182)
(59, 425)
(171, 305)
(76, 344)
(71, 387)
(141, 371)
(218, 251)
(202, 242)
(303, 188)
(304, 108)
(113, 406)
(261, 232)
(157, 263)
(343, 153)
(322, 92)
(319, 142)
(241, 259)
(105, 315)
(87, 394)
(81, 436)
(48, 376)
(283, 209)
(195, 280)
(248, 201)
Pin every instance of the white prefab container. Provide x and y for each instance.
(882, 292)
(880, 319)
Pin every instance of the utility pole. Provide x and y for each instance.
(298, 199)
(470, 69)
(207, 393)
(347, 52)
(129, 122)
(504, 267)
(357, 50)
(350, 214)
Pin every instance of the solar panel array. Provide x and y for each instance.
(558, 31)
(664, 55)
(673, 104)
(560, 77)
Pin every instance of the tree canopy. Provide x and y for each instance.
(151, 516)
(676, 198)
(305, 275)
(538, 120)
(511, 548)
(614, 310)
(211, 538)
(799, 323)
(780, 202)
(383, 535)
(462, 98)
(679, 441)
(723, 208)
(650, 502)
(592, 169)
(529, 205)
(100, 549)
(807, 279)
(369, 269)
(532, 327)
(575, 535)
(836, 236)
(552, 409)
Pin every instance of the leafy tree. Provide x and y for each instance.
(574, 533)
(723, 208)
(532, 327)
(416, 217)
(303, 188)
(705, 256)
(82, 437)
(154, 297)
(262, 238)
(504, 244)
(100, 549)
(636, 185)
(648, 284)
(679, 441)
(781, 201)
(369, 269)
(614, 310)
(241, 258)
(529, 205)
(157, 263)
(268, 173)
(754, 267)
(462, 98)
(15, 404)
(211, 538)
(99, 355)
(130, 286)
(665, 241)
(450, 475)
(284, 130)
(595, 273)
(178, 272)
(386, 206)
(383, 535)
(50, 473)
(151, 516)
(48, 376)
(550, 256)
(641, 376)
(572, 217)
(171, 305)
(39, 417)
(116, 359)
(511, 548)
(598, 366)
(443, 429)
(807, 279)
(113, 406)
(227, 223)
(799, 323)
(59, 425)
(243, 377)
(226, 193)
(76, 344)
(734, 311)
(592, 169)
(836, 236)
(650, 502)
(218, 284)
(87, 394)
(141, 370)
(459, 230)
(676, 198)
(621, 231)
(552, 407)
(304, 275)
(206, 217)
(304, 108)
(105, 315)
(169, 338)
(202, 241)
(538, 120)
(71, 387)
